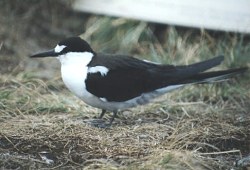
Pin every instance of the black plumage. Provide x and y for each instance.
(129, 77)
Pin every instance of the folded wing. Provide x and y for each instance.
(129, 77)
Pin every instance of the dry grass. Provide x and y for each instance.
(199, 127)
(41, 128)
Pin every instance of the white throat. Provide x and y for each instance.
(74, 71)
(76, 58)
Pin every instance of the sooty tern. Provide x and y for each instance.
(117, 82)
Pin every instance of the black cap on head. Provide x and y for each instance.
(75, 44)
(72, 44)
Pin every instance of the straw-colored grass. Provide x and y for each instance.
(44, 126)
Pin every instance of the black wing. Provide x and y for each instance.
(129, 77)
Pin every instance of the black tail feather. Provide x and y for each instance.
(193, 69)
(213, 76)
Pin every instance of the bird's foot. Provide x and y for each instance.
(99, 123)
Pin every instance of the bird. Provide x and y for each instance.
(115, 82)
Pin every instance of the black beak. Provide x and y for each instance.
(50, 53)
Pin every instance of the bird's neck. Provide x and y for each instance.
(76, 59)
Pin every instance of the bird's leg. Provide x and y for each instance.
(101, 123)
(102, 114)
(112, 118)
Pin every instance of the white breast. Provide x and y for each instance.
(74, 77)
(74, 72)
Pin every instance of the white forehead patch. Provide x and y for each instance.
(101, 69)
(151, 62)
(59, 48)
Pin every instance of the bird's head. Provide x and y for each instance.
(73, 47)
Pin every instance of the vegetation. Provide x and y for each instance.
(44, 126)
